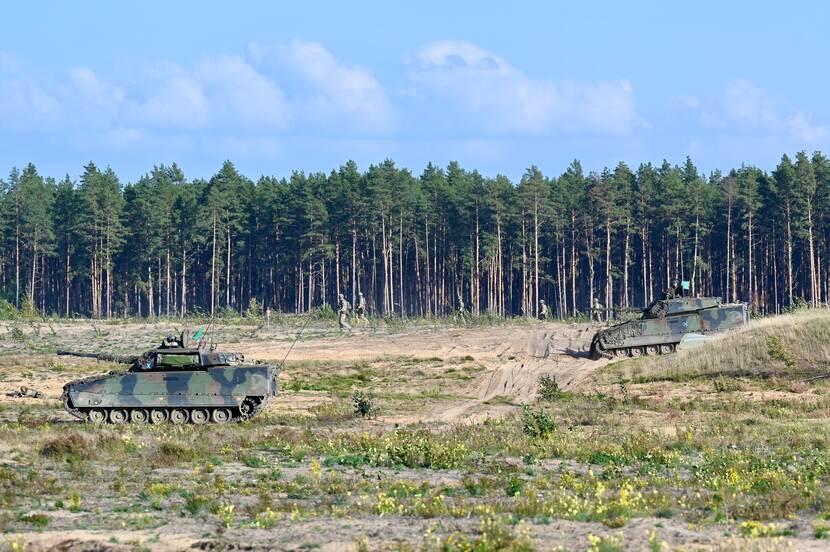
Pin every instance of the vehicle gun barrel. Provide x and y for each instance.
(105, 357)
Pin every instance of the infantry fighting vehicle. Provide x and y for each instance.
(667, 324)
(175, 383)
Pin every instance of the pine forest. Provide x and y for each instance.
(414, 244)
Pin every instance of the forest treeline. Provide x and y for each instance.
(414, 244)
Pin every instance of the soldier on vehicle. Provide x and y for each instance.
(597, 310)
(171, 342)
(344, 308)
(543, 310)
(675, 291)
(360, 309)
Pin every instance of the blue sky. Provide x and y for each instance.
(497, 86)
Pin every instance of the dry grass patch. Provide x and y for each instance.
(73, 444)
(787, 346)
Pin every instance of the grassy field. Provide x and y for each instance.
(719, 448)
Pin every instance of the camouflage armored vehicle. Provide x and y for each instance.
(667, 324)
(172, 383)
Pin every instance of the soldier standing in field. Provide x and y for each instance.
(360, 309)
(543, 310)
(461, 313)
(596, 311)
(343, 310)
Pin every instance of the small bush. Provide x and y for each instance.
(757, 529)
(15, 333)
(38, 520)
(514, 485)
(363, 405)
(493, 534)
(548, 389)
(255, 309)
(722, 384)
(778, 351)
(324, 313)
(537, 423)
(196, 503)
(173, 453)
(7, 311)
(71, 444)
(255, 462)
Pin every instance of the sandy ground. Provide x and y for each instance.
(509, 360)
(513, 357)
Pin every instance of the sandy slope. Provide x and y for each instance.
(514, 357)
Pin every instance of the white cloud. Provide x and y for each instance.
(218, 93)
(746, 108)
(169, 96)
(503, 98)
(333, 90)
(240, 93)
(100, 94)
(24, 103)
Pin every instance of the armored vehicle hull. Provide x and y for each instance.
(666, 324)
(176, 385)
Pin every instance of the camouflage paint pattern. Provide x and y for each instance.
(167, 378)
(664, 323)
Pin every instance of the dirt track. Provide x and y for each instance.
(513, 358)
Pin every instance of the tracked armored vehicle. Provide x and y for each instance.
(172, 383)
(666, 324)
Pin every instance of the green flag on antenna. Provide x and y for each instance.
(199, 334)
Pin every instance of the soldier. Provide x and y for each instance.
(597, 310)
(344, 308)
(674, 291)
(360, 309)
(543, 310)
(461, 312)
(172, 342)
(25, 392)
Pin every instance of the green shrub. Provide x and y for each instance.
(363, 405)
(7, 311)
(537, 422)
(255, 309)
(548, 389)
(778, 351)
(38, 520)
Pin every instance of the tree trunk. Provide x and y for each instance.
(213, 272)
(789, 257)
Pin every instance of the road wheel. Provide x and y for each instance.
(221, 415)
(653, 350)
(636, 352)
(665, 349)
(118, 416)
(138, 416)
(199, 416)
(620, 353)
(158, 415)
(178, 416)
(96, 416)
